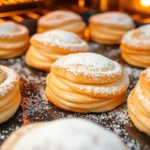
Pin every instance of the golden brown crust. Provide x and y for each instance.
(64, 20)
(109, 32)
(14, 40)
(46, 48)
(9, 94)
(135, 56)
(135, 47)
(78, 86)
(139, 102)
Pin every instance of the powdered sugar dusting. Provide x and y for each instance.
(147, 77)
(114, 18)
(107, 89)
(11, 29)
(8, 83)
(58, 17)
(139, 36)
(144, 99)
(90, 64)
(37, 108)
(62, 39)
(56, 134)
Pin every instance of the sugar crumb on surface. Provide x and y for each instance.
(37, 108)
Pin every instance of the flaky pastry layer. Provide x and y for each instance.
(9, 94)
(43, 53)
(15, 41)
(106, 28)
(139, 103)
(64, 20)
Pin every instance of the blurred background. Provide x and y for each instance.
(28, 11)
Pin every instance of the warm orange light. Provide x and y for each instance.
(81, 3)
(103, 5)
(33, 15)
(86, 34)
(17, 18)
(145, 3)
(14, 1)
(1, 20)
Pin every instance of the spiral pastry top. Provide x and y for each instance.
(9, 93)
(86, 82)
(109, 27)
(49, 46)
(135, 47)
(14, 39)
(60, 19)
(139, 103)
(63, 134)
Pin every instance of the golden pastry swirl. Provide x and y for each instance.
(47, 47)
(86, 82)
(65, 20)
(14, 39)
(45, 136)
(139, 103)
(135, 47)
(9, 93)
(109, 27)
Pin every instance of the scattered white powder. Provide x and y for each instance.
(89, 64)
(62, 39)
(8, 83)
(113, 18)
(141, 97)
(37, 108)
(67, 134)
(139, 36)
(58, 17)
(107, 89)
(147, 71)
(11, 29)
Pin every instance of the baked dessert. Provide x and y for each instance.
(60, 19)
(14, 39)
(109, 27)
(86, 82)
(139, 103)
(9, 93)
(135, 47)
(63, 134)
(47, 47)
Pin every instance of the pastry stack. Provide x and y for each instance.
(47, 47)
(139, 103)
(79, 81)
(9, 93)
(65, 20)
(86, 82)
(109, 27)
(14, 39)
(135, 47)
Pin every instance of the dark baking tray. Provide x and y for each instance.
(36, 108)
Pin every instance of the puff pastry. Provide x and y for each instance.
(135, 47)
(9, 93)
(47, 47)
(109, 27)
(139, 103)
(86, 82)
(60, 19)
(54, 135)
(14, 39)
